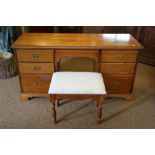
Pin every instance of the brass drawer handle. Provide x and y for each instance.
(40, 83)
(120, 56)
(37, 68)
(35, 55)
(115, 84)
(119, 68)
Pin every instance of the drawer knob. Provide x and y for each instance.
(35, 55)
(37, 68)
(40, 83)
(120, 56)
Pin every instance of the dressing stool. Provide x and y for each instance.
(77, 86)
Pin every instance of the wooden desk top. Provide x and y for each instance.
(78, 41)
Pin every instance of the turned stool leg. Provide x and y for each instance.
(100, 105)
(97, 102)
(53, 101)
(54, 112)
(58, 102)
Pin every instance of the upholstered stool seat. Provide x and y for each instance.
(77, 85)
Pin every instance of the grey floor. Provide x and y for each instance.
(117, 113)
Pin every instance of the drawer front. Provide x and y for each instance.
(117, 68)
(46, 68)
(119, 56)
(35, 83)
(35, 55)
(118, 84)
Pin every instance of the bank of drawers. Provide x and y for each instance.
(35, 68)
(118, 69)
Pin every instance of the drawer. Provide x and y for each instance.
(119, 56)
(46, 68)
(35, 55)
(116, 84)
(35, 83)
(117, 68)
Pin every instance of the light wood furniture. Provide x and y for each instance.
(117, 56)
(77, 86)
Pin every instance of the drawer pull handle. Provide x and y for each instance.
(119, 68)
(40, 83)
(120, 56)
(34, 55)
(115, 84)
(37, 68)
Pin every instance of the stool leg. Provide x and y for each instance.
(97, 102)
(58, 102)
(53, 101)
(54, 112)
(100, 105)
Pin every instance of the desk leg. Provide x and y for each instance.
(127, 97)
(25, 97)
(28, 96)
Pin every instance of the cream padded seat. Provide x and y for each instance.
(77, 83)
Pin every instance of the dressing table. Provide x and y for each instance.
(116, 54)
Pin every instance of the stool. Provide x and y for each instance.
(77, 86)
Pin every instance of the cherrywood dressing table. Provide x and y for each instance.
(116, 54)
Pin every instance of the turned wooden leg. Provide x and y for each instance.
(54, 112)
(97, 103)
(100, 105)
(53, 101)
